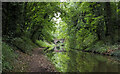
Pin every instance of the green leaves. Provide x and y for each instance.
(39, 18)
(86, 22)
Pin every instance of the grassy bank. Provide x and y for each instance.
(8, 56)
(9, 48)
(106, 49)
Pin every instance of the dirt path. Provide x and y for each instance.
(37, 62)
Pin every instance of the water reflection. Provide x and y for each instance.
(77, 61)
(85, 62)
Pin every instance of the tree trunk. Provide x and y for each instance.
(108, 21)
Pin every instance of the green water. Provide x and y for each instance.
(77, 61)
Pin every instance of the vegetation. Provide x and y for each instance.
(8, 57)
(24, 24)
(84, 26)
(91, 26)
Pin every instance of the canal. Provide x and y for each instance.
(78, 61)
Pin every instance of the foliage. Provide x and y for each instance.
(42, 43)
(27, 22)
(81, 24)
(86, 26)
(8, 57)
(0, 54)
(25, 44)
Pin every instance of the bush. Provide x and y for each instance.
(42, 43)
(24, 44)
(28, 40)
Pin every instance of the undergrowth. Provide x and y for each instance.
(24, 44)
(8, 57)
(0, 54)
(10, 45)
(106, 49)
(44, 43)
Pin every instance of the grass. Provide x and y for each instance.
(8, 57)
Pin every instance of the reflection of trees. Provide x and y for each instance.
(60, 61)
(85, 62)
(71, 63)
(105, 65)
(82, 62)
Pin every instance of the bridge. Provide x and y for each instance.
(56, 40)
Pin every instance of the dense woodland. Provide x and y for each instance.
(84, 26)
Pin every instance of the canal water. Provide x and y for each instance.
(77, 61)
